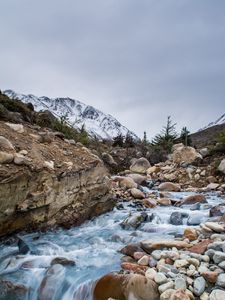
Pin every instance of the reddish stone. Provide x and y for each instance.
(169, 261)
(201, 247)
(149, 203)
(211, 277)
(192, 200)
(179, 295)
(191, 234)
(134, 268)
(131, 249)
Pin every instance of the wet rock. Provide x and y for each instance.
(199, 286)
(12, 291)
(62, 261)
(137, 194)
(169, 186)
(217, 295)
(217, 210)
(164, 201)
(131, 249)
(110, 286)
(149, 203)
(5, 157)
(195, 219)
(150, 245)
(140, 165)
(192, 199)
(5, 143)
(176, 218)
(51, 283)
(134, 221)
(23, 246)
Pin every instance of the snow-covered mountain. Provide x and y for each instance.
(219, 121)
(96, 122)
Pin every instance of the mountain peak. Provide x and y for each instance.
(96, 122)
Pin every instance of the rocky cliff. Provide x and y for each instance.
(46, 180)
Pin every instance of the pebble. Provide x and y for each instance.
(221, 280)
(150, 273)
(199, 286)
(180, 283)
(169, 285)
(217, 295)
(160, 278)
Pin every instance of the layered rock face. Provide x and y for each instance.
(48, 181)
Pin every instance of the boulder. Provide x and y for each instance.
(221, 166)
(137, 178)
(110, 286)
(5, 157)
(186, 155)
(62, 261)
(176, 218)
(150, 203)
(127, 183)
(204, 152)
(134, 221)
(169, 186)
(212, 186)
(215, 226)
(140, 165)
(192, 199)
(153, 169)
(131, 249)
(164, 201)
(17, 127)
(195, 219)
(108, 159)
(217, 211)
(5, 144)
(137, 194)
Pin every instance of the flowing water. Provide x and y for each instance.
(93, 246)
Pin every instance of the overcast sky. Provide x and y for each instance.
(138, 60)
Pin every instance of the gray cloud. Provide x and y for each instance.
(139, 60)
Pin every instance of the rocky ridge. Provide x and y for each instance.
(46, 180)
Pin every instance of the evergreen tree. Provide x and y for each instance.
(167, 136)
(144, 141)
(129, 141)
(185, 136)
(118, 140)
